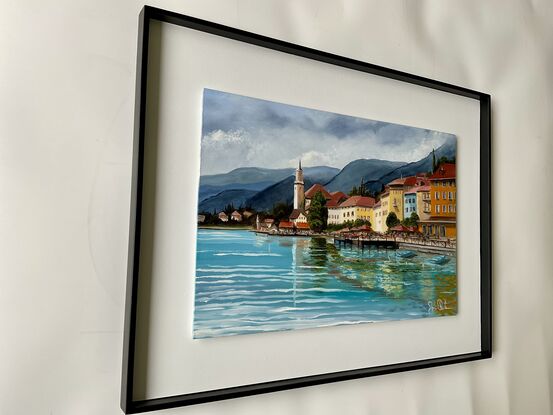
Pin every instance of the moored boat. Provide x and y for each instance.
(440, 259)
(405, 254)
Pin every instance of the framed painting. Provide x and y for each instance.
(297, 218)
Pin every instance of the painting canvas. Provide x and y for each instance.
(308, 218)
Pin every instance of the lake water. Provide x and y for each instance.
(249, 283)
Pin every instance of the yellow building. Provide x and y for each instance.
(353, 208)
(378, 221)
(424, 205)
(442, 222)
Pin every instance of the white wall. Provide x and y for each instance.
(67, 73)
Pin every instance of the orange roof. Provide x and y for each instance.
(362, 201)
(302, 225)
(444, 171)
(284, 224)
(317, 188)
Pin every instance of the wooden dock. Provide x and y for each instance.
(387, 242)
(367, 243)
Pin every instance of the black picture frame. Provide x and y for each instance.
(149, 14)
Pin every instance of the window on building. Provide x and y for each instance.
(437, 195)
(442, 230)
(437, 208)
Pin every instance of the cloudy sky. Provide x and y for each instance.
(239, 131)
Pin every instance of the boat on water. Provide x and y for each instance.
(406, 254)
(440, 259)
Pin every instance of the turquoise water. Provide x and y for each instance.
(249, 283)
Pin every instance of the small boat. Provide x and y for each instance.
(440, 260)
(406, 254)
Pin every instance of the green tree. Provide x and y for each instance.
(318, 213)
(361, 222)
(434, 164)
(412, 220)
(354, 191)
(392, 220)
(281, 211)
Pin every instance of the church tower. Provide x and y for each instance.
(298, 188)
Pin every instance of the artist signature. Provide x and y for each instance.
(438, 305)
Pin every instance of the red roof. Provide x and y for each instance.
(302, 225)
(364, 228)
(444, 171)
(284, 224)
(336, 199)
(402, 228)
(418, 189)
(404, 181)
(362, 201)
(317, 188)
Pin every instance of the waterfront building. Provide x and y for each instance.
(442, 222)
(236, 216)
(223, 217)
(247, 214)
(298, 216)
(394, 196)
(423, 207)
(377, 215)
(332, 206)
(266, 225)
(302, 227)
(286, 227)
(312, 191)
(409, 202)
(201, 218)
(299, 194)
(353, 208)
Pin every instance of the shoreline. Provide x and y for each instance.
(228, 228)
(430, 249)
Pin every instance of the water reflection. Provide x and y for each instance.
(264, 283)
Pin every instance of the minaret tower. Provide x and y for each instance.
(298, 188)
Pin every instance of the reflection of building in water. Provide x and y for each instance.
(298, 248)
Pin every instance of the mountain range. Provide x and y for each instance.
(261, 188)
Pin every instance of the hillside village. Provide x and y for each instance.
(423, 204)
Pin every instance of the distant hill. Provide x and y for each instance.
(282, 191)
(245, 175)
(236, 197)
(207, 191)
(215, 190)
(252, 175)
(448, 149)
(362, 169)
(261, 188)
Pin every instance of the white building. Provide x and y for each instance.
(355, 207)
